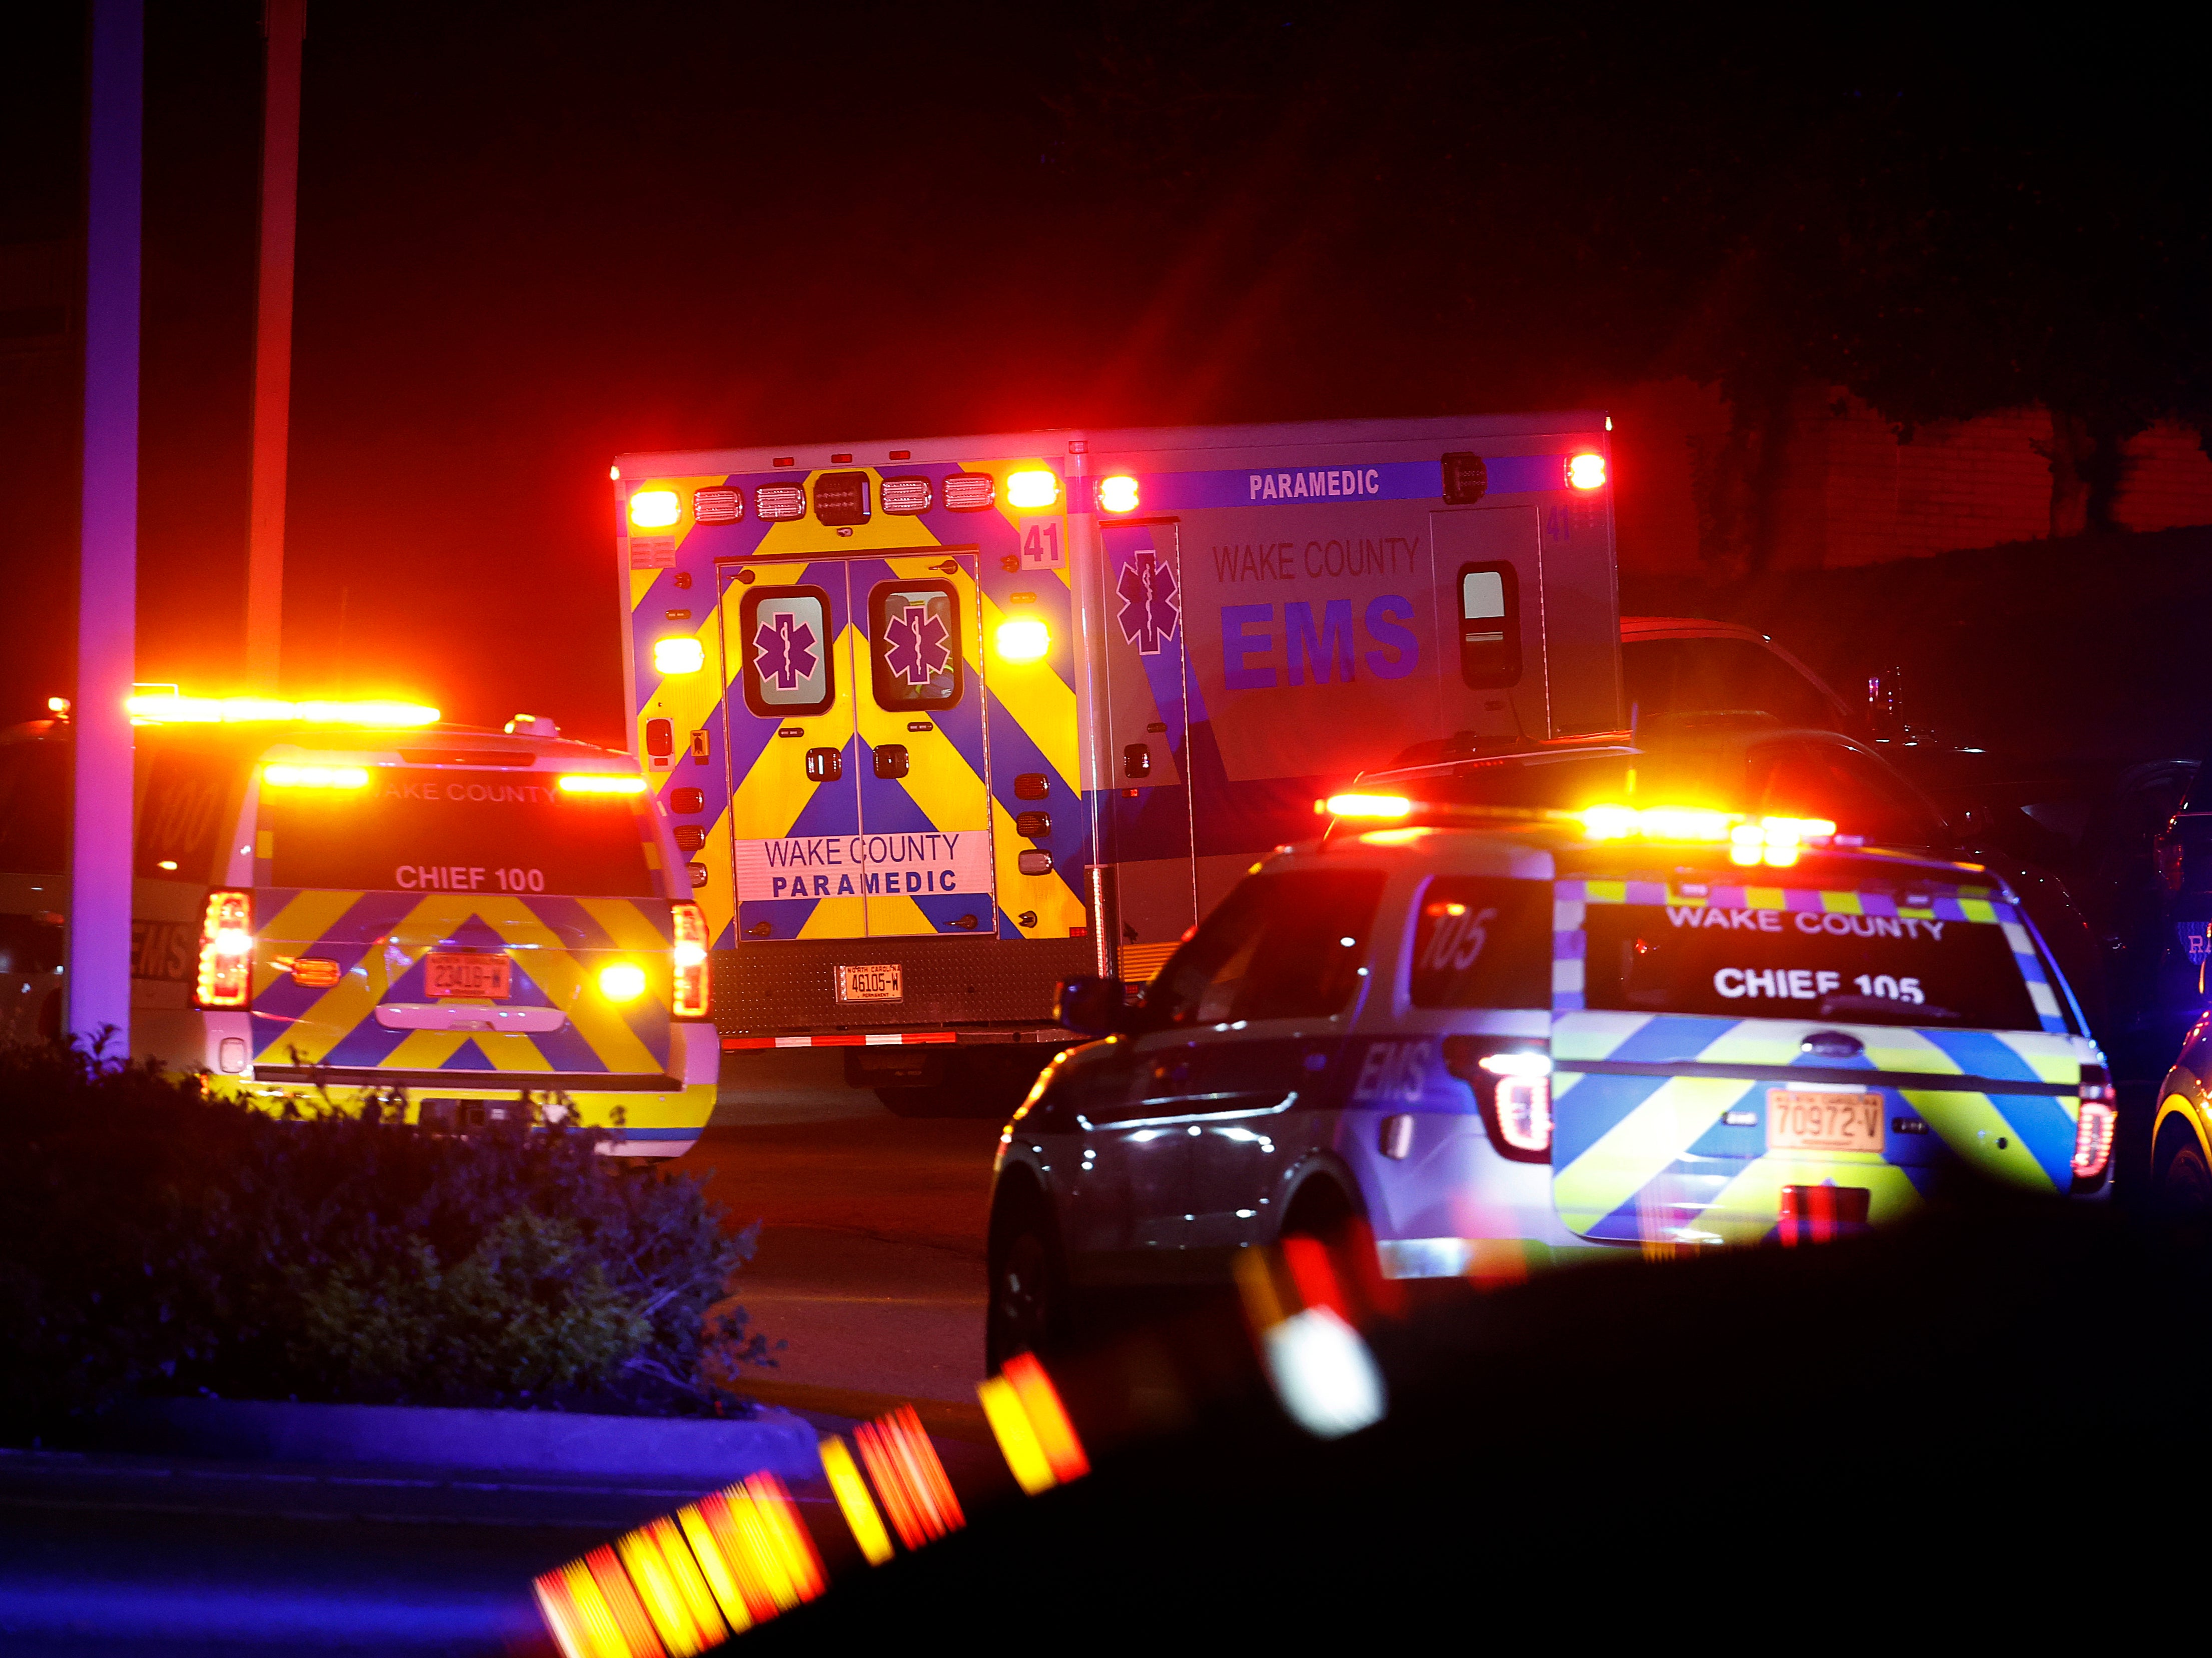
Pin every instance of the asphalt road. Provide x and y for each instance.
(870, 1269)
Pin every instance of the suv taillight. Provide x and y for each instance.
(2092, 1129)
(1512, 1084)
(226, 974)
(693, 988)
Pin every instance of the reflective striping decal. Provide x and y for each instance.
(1670, 1158)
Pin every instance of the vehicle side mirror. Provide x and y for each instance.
(1091, 1007)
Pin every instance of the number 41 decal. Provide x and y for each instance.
(1040, 543)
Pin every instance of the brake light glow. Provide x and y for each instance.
(2092, 1129)
(157, 705)
(969, 492)
(1366, 805)
(1523, 1098)
(281, 776)
(694, 990)
(774, 501)
(904, 496)
(1031, 491)
(683, 655)
(622, 982)
(717, 505)
(655, 509)
(1117, 495)
(1586, 473)
(601, 782)
(226, 966)
(1024, 639)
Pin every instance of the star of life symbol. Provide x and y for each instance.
(785, 647)
(1149, 609)
(917, 645)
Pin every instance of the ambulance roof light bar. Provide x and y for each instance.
(155, 705)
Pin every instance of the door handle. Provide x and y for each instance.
(824, 765)
(891, 760)
(950, 567)
(1137, 761)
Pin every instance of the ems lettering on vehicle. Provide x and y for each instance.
(1036, 699)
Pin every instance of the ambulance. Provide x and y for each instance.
(346, 904)
(941, 723)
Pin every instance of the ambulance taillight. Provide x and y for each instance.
(226, 970)
(694, 991)
(969, 492)
(655, 509)
(1586, 472)
(1032, 490)
(904, 496)
(776, 501)
(719, 505)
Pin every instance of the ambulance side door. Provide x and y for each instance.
(1146, 819)
(789, 735)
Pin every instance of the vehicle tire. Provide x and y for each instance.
(1029, 1311)
(2181, 1178)
(1320, 1211)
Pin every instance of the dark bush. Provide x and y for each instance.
(153, 1241)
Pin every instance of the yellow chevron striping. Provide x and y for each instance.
(1971, 1125)
(1634, 1151)
(1593, 1035)
(1745, 1210)
(1042, 704)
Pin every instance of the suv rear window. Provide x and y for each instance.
(455, 831)
(1482, 941)
(1807, 963)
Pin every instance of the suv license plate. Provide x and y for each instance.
(881, 983)
(1812, 1119)
(483, 977)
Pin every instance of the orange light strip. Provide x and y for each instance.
(907, 1476)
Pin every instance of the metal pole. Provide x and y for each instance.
(285, 23)
(99, 980)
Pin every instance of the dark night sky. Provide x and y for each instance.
(534, 237)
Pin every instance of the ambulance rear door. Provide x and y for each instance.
(789, 720)
(925, 841)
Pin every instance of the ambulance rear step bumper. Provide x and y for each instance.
(791, 985)
(1046, 1033)
(447, 1082)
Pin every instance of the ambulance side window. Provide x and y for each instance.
(914, 644)
(1482, 941)
(1489, 625)
(1279, 947)
(188, 797)
(35, 803)
(784, 635)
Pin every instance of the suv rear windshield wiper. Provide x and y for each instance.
(1836, 1007)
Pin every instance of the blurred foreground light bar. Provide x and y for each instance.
(164, 705)
(1031, 1426)
(682, 1584)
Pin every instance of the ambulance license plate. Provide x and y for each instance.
(1815, 1120)
(488, 978)
(885, 982)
